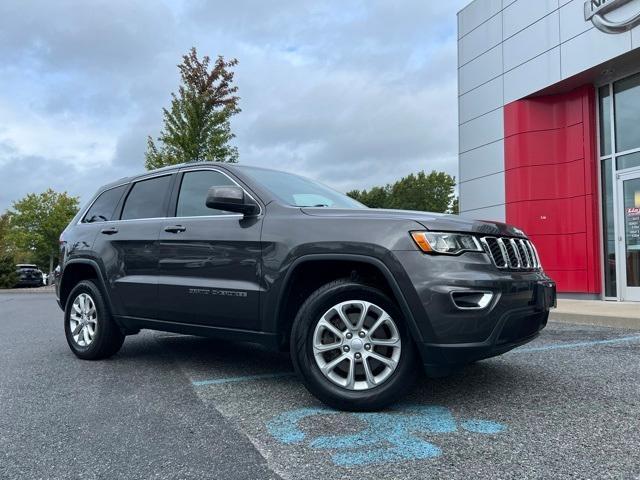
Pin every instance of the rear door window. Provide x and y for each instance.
(193, 193)
(147, 199)
(105, 205)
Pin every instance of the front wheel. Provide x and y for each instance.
(351, 346)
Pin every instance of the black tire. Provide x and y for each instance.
(107, 339)
(375, 398)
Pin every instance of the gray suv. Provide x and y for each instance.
(360, 297)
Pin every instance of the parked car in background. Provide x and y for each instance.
(29, 275)
(55, 276)
(360, 297)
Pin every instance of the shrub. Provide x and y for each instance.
(8, 275)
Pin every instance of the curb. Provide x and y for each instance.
(22, 291)
(596, 320)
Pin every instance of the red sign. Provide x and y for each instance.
(633, 212)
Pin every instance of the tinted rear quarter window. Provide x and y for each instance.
(105, 205)
(147, 199)
(193, 193)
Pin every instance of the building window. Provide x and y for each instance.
(608, 197)
(627, 113)
(619, 117)
(608, 230)
(630, 160)
(605, 121)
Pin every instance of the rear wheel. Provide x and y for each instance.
(351, 347)
(89, 328)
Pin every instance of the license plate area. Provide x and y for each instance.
(545, 296)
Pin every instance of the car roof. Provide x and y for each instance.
(170, 168)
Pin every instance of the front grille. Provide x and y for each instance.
(511, 253)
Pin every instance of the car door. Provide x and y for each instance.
(129, 250)
(209, 271)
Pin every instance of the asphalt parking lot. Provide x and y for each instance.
(168, 406)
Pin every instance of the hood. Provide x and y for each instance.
(429, 220)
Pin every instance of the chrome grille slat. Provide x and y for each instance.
(503, 249)
(535, 253)
(526, 260)
(532, 255)
(514, 244)
(511, 253)
(495, 251)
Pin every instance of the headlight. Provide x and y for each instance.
(446, 243)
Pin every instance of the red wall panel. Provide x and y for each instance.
(545, 147)
(554, 181)
(562, 216)
(545, 113)
(558, 251)
(551, 183)
(570, 281)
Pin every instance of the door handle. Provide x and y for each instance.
(109, 231)
(175, 229)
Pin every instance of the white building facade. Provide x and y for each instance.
(549, 133)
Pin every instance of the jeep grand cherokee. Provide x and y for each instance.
(361, 297)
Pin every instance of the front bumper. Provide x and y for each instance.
(449, 336)
(513, 330)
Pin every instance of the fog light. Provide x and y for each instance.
(471, 300)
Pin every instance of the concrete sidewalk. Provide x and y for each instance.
(597, 312)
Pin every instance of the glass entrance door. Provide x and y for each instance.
(629, 238)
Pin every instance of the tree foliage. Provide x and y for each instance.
(5, 222)
(8, 274)
(433, 192)
(455, 206)
(36, 222)
(197, 125)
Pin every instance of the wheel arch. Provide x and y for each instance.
(77, 270)
(359, 267)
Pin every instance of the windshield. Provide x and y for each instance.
(298, 191)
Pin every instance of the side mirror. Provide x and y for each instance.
(232, 199)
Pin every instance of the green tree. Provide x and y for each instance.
(5, 221)
(433, 192)
(36, 223)
(429, 193)
(455, 206)
(197, 125)
(377, 197)
(8, 275)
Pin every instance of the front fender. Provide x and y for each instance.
(387, 265)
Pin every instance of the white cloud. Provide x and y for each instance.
(352, 93)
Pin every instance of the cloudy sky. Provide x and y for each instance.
(353, 93)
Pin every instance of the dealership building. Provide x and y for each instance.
(549, 133)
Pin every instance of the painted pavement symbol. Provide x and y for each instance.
(387, 437)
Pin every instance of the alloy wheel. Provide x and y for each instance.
(83, 320)
(356, 345)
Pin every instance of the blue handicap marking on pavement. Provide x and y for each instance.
(386, 437)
